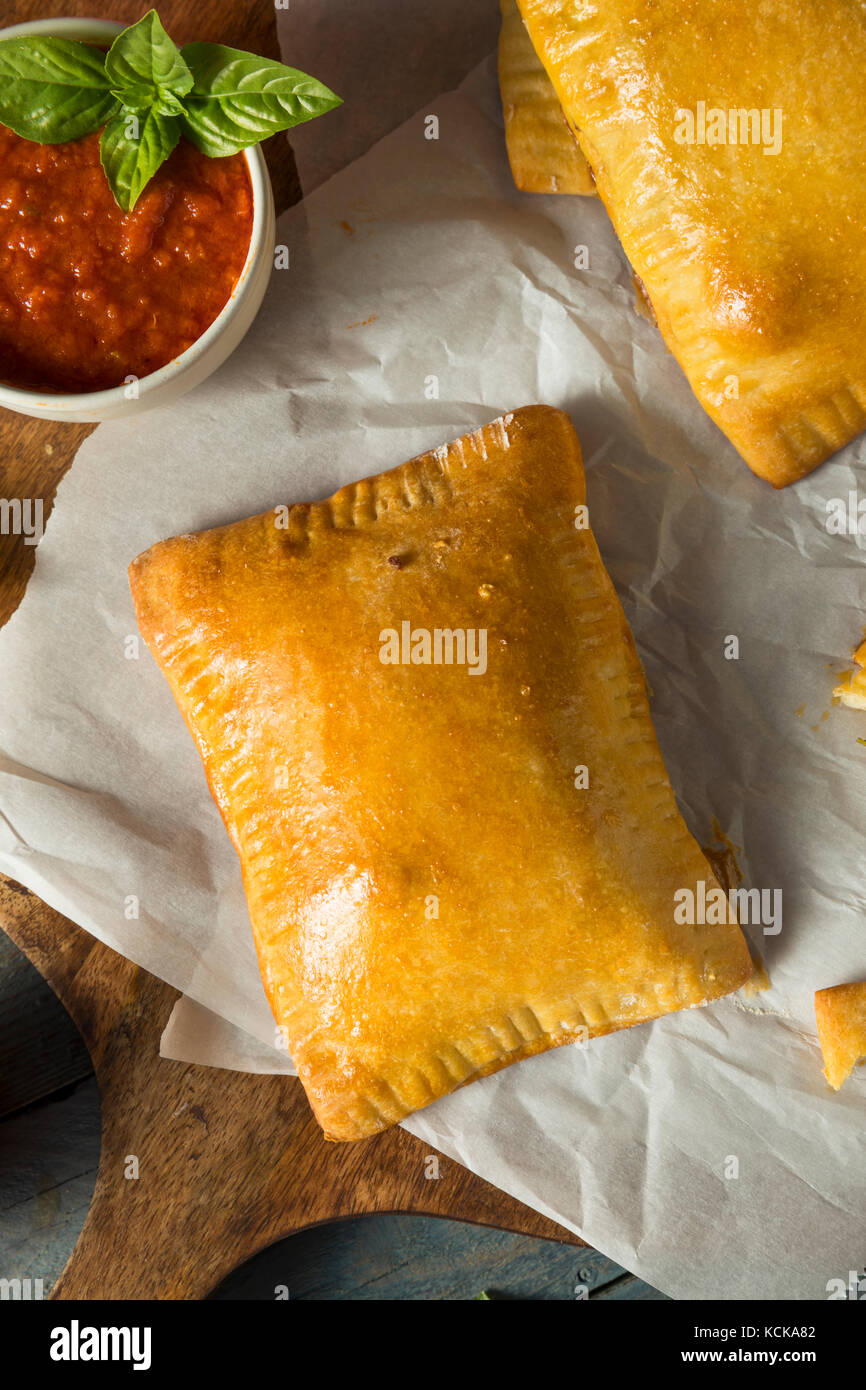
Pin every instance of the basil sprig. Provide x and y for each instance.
(146, 93)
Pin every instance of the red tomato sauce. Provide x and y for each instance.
(90, 295)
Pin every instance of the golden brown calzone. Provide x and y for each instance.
(705, 123)
(424, 722)
(543, 152)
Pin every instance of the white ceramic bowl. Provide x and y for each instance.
(216, 343)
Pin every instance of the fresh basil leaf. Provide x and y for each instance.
(132, 148)
(53, 90)
(238, 99)
(142, 98)
(144, 59)
(137, 97)
(167, 103)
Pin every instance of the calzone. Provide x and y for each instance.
(543, 153)
(725, 138)
(423, 719)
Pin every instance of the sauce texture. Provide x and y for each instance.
(90, 295)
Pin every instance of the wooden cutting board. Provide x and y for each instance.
(227, 1163)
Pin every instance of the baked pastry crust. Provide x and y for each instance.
(851, 690)
(542, 150)
(840, 1013)
(755, 268)
(432, 897)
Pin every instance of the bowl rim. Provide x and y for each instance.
(17, 397)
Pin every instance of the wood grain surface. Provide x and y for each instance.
(49, 1156)
(226, 1163)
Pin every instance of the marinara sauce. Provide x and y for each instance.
(90, 295)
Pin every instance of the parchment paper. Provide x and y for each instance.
(704, 1151)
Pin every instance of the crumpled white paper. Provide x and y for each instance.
(705, 1151)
